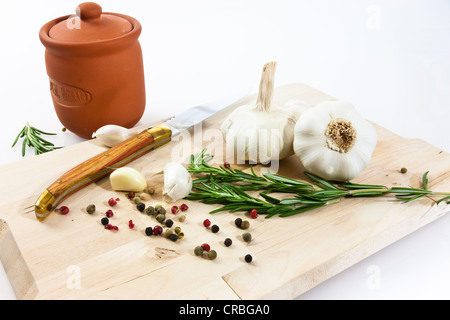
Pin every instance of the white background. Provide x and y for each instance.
(390, 58)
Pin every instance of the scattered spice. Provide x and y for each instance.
(238, 222)
(177, 230)
(198, 250)
(160, 209)
(157, 229)
(169, 223)
(143, 196)
(131, 224)
(167, 233)
(184, 207)
(212, 254)
(228, 242)
(137, 200)
(150, 210)
(175, 209)
(403, 170)
(180, 235)
(215, 228)
(248, 258)
(109, 213)
(131, 195)
(254, 214)
(112, 202)
(63, 210)
(247, 237)
(161, 217)
(173, 237)
(206, 247)
(149, 231)
(105, 221)
(226, 165)
(245, 224)
(182, 217)
(206, 223)
(140, 206)
(90, 208)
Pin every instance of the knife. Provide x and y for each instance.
(104, 163)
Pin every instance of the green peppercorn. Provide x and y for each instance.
(137, 200)
(150, 210)
(173, 237)
(161, 217)
(168, 232)
(158, 206)
(182, 217)
(212, 254)
(160, 210)
(90, 208)
(177, 230)
(403, 170)
(151, 190)
(247, 237)
(198, 250)
(141, 206)
(180, 235)
(228, 242)
(245, 224)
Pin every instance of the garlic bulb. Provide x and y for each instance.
(111, 135)
(177, 182)
(261, 132)
(127, 179)
(333, 141)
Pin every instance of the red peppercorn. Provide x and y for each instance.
(115, 227)
(175, 210)
(131, 224)
(226, 165)
(206, 223)
(254, 214)
(109, 213)
(112, 202)
(206, 247)
(63, 210)
(157, 229)
(184, 207)
(108, 226)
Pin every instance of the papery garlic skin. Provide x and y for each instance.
(111, 135)
(261, 132)
(333, 141)
(127, 179)
(177, 182)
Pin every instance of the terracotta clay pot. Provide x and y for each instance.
(94, 62)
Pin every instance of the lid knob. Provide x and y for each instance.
(89, 11)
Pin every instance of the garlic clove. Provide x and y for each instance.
(111, 135)
(127, 179)
(297, 107)
(177, 182)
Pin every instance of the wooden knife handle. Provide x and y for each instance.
(99, 166)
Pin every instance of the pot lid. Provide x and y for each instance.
(90, 25)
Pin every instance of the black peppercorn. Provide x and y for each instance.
(105, 221)
(148, 231)
(215, 228)
(168, 223)
(228, 242)
(248, 258)
(140, 206)
(238, 222)
(173, 237)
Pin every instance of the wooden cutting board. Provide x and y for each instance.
(73, 257)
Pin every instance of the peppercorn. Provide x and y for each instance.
(105, 221)
(131, 195)
(173, 237)
(184, 207)
(212, 255)
(148, 231)
(161, 217)
(198, 250)
(63, 210)
(227, 164)
(254, 214)
(180, 235)
(175, 209)
(238, 222)
(143, 196)
(248, 258)
(137, 200)
(206, 223)
(215, 228)
(168, 223)
(181, 218)
(403, 170)
(151, 190)
(90, 208)
(157, 230)
(177, 230)
(168, 232)
(141, 206)
(228, 242)
(245, 224)
(150, 210)
(206, 247)
(160, 210)
(131, 224)
(109, 213)
(247, 237)
(112, 202)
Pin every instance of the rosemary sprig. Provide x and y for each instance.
(31, 137)
(229, 187)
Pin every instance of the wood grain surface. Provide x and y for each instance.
(74, 257)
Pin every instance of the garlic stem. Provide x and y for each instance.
(266, 86)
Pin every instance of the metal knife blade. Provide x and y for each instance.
(104, 163)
